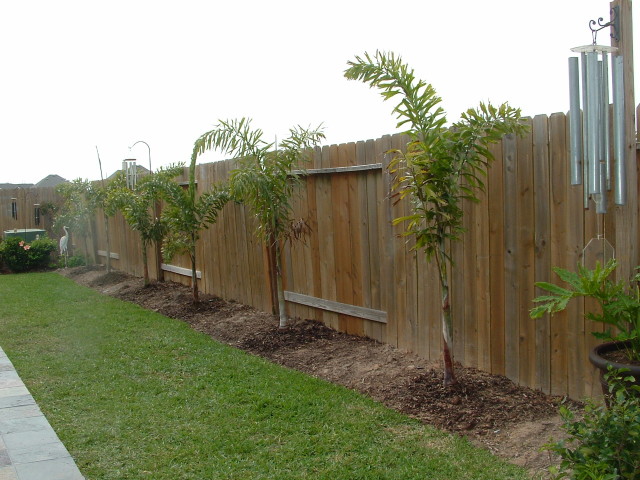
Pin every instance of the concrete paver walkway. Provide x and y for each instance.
(29, 448)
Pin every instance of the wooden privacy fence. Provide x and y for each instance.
(27, 213)
(355, 272)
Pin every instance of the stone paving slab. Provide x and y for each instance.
(29, 447)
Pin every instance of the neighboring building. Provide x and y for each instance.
(48, 181)
(16, 185)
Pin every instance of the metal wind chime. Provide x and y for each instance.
(590, 131)
(130, 170)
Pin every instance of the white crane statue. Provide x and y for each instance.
(63, 245)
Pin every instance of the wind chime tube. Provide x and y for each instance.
(604, 108)
(134, 175)
(619, 172)
(593, 117)
(600, 115)
(585, 115)
(601, 198)
(575, 127)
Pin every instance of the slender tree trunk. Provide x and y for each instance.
(194, 276)
(273, 277)
(447, 323)
(158, 255)
(92, 257)
(160, 272)
(106, 229)
(145, 264)
(281, 304)
(85, 240)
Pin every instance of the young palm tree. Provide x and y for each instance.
(186, 215)
(264, 179)
(137, 207)
(441, 166)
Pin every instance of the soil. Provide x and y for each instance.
(620, 356)
(511, 421)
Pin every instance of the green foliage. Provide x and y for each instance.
(264, 178)
(76, 260)
(20, 256)
(442, 166)
(187, 214)
(619, 302)
(137, 206)
(186, 217)
(81, 199)
(76, 211)
(605, 444)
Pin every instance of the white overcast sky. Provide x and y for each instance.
(79, 74)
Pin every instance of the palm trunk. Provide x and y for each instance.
(158, 244)
(194, 276)
(447, 323)
(145, 264)
(281, 304)
(106, 229)
(158, 255)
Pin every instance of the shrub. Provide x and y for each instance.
(605, 444)
(20, 256)
(73, 261)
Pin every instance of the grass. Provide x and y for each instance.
(135, 395)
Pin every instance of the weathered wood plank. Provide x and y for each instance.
(338, 307)
(387, 267)
(483, 282)
(561, 252)
(326, 240)
(496, 268)
(542, 267)
(347, 169)
(374, 201)
(313, 239)
(180, 270)
(511, 222)
(356, 229)
(103, 253)
(399, 209)
(526, 256)
(574, 342)
(341, 238)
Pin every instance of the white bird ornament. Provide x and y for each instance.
(64, 241)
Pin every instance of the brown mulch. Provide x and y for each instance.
(511, 421)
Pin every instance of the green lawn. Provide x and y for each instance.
(135, 395)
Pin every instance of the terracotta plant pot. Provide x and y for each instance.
(597, 359)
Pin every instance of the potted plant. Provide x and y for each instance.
(619, 311)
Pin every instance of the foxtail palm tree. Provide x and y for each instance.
(264, 179)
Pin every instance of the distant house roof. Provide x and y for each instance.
(16, 185)
(50, 181)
